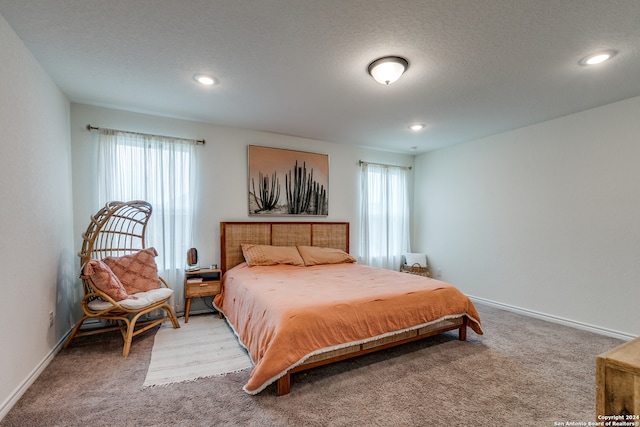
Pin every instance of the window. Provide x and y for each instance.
(161, 171)
(385, 219)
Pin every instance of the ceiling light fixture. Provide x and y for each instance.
(416, 127)
(204, 79)
(388, 69)
(598, 58)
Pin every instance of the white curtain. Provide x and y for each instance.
(161, 171)
(385, 217)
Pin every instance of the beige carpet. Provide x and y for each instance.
(204, 347)
(523, 372)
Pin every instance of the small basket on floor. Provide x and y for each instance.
(416, 269)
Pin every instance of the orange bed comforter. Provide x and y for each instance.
(284, 314)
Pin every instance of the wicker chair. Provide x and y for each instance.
(118, 229)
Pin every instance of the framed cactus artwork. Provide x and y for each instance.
(288, 182)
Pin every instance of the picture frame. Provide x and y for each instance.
(285, 182)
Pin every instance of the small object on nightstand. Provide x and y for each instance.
(200, 283)
(192, 260)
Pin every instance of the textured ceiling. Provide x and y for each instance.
(296, 67)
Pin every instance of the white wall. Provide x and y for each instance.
(544, 218)
(223, 184)
(36, 216)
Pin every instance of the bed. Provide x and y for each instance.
(300, 314)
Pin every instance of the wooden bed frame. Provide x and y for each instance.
(323, 234)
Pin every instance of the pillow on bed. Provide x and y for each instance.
(137, 272)
(104, 279)
(271, 255)
(316, 255)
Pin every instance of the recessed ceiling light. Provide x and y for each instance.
(416, 127)
(204, 79)
(598, 57)
(414, 148)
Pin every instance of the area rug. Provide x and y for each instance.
(204, 347)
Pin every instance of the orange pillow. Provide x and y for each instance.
(271, 255)
(104, 279)
(315, 255)
(137, 272)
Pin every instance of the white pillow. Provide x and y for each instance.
(415, 258)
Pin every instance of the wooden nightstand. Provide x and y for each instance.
(618, 382)
(200, 283)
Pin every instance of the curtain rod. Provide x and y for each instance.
(362, 162)
(199, 141)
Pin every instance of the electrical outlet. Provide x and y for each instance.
(50, 318)
(439, 273)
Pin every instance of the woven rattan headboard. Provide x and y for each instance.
(234, 234)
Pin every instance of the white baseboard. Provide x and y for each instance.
(556, 319)
(13, 398)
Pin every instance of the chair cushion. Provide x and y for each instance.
(104, 279)
(137, 272)
(142, 299)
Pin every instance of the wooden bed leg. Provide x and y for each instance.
(283, 386)
(462, 335)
